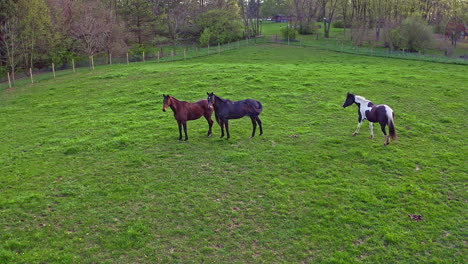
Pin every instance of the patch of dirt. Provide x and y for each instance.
(415, 217)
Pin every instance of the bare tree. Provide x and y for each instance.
(327, 11)
(91, 27)
(10, 41)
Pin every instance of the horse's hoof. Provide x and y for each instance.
(354, 134)
(371, 137)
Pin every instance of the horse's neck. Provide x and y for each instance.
(220, 100)
(175, 104)
(361, 101)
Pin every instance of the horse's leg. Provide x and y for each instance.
(227, 128)
(382, 126)
(184, 123)
(210, 124)
(357, 129)
(371, 127)
(254, 124)
(179, 123)
(221, 124)
(260, 125)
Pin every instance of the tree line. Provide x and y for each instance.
(361, 16)
(36, 33)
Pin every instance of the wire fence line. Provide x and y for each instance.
(159, 55)
(178, 53)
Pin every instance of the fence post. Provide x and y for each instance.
(219, 48)
(158, 56)
(127, 59)
(184, 54)
(9, 80)
(73, 65)
(53, 69)
(110, 58)
(143, 56)
(288, 39)
(30, 73)
(208, 49)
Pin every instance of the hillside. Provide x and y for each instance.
(92, 171)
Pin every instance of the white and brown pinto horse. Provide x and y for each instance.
(382, 114)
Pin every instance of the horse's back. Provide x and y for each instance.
(254, 107)
(202, 103)
(197, 109)
(379, 113)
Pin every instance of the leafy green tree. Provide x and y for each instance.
(274, 7)
(139, 18)
(224, 26)
(34, 29)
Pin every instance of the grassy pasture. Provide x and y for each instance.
(92, 172)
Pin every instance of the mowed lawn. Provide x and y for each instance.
(92, 171)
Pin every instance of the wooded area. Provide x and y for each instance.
(36, 33)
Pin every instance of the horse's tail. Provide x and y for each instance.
(391, 126)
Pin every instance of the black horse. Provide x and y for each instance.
(226, 109)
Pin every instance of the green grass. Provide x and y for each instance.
(92, 172)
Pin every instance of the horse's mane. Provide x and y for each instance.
(362, 98)
(177, 100)
(221, 99)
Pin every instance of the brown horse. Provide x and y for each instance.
(185, 111)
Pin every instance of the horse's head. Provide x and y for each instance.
(350, 99)
(211, 100)
(166, 102)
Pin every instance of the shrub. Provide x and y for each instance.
(205, 38)
(307, 28)
(338, 24)
(137, 50)
(413, 35)
(288, 32)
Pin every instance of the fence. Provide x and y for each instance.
(340, 46)
(170, 54)
(160, 55)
